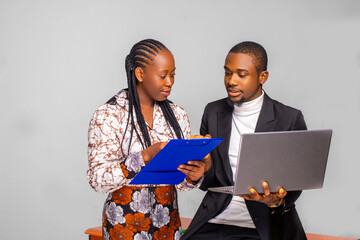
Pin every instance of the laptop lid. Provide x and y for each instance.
(294, 160)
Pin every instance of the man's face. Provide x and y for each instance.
(242, 81)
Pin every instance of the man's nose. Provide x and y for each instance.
(232, 80)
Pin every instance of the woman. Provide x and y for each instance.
(125, 134)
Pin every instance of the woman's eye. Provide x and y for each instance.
(163, 77)
(173, 75)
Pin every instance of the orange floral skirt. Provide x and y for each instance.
(142, 213)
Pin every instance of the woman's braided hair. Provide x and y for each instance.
(141, 55)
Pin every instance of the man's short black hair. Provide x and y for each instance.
(256, 51)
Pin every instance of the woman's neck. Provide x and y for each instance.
(145, 100)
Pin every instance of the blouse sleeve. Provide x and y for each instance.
(109, 169)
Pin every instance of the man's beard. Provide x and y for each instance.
(242, 100)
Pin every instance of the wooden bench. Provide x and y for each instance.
(95, 233)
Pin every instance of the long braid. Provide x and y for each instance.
(170, 118)
(140, 56)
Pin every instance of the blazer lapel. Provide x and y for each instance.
(224, 131)
(267, 120)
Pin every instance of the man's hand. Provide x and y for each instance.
(268, 198)
(207, 158)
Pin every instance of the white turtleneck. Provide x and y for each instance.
(244, 119)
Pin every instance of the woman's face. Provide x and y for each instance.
(156, 80)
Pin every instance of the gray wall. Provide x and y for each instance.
(59, 60)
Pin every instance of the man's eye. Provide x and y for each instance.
(163, 77)
(227, 73)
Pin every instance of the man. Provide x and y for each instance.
(268, 216)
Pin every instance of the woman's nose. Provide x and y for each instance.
(169, 81)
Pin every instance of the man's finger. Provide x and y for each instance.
(282, 193)
(266, 188)
(254, 193)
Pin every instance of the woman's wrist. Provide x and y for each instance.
(193, 182)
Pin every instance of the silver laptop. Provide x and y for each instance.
(294, 160)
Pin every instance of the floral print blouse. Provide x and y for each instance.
(132, 211)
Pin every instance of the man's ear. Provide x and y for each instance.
(139, 74)
(263, 77)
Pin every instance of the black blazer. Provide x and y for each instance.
(281, 223)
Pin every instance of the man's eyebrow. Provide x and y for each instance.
(237, 70)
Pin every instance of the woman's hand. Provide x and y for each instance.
(207, 159)
(194, 169)
(151, 151)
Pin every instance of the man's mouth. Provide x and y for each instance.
(234, 92)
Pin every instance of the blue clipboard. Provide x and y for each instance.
(162, 169)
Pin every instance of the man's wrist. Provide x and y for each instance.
(281, 202)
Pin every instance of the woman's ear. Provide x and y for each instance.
(139, 74)
(263, 77)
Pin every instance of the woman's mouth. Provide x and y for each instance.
(166, 93)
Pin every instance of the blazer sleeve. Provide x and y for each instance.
(298, 122)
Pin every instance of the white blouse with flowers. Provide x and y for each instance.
(111, 169)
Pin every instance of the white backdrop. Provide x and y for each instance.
(59, 60)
